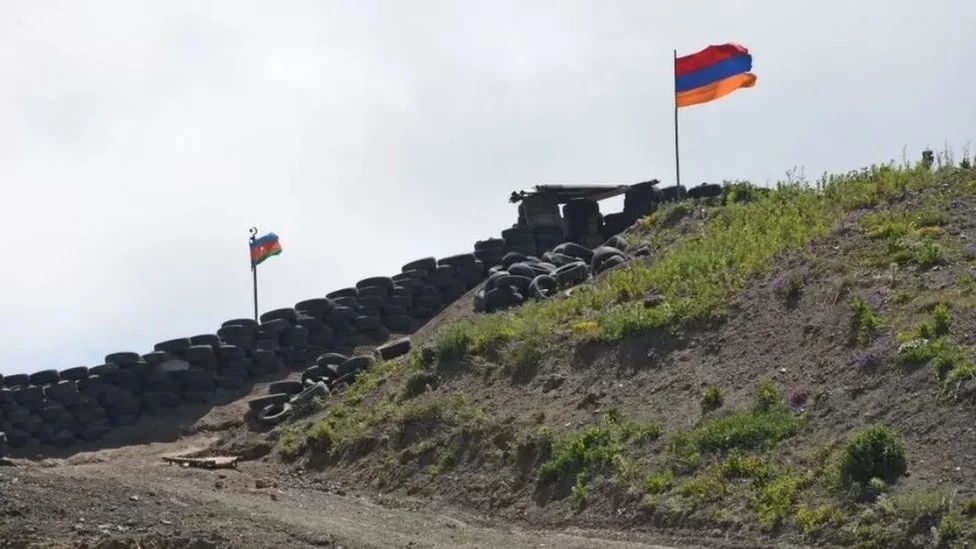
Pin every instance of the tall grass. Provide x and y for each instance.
(697, 275)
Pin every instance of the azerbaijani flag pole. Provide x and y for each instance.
(261, 248)
(707, 75)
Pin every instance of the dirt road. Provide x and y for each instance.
(132, 497)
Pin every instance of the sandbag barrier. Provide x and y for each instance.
(61, 408)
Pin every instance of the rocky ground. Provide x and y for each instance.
(131, 498)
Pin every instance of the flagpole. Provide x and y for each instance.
(254, 273)
(674, 87)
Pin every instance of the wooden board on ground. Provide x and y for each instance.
(213, 462)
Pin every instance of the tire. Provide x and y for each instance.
(212, 340)
(402, 301)
(393, 349)
(317, 389)
(398, 323)
(490, 244)
(643, 251)
(158, 400)
(571, 274)
(543, 287)
(274, 414)
(602, 254)
(522, 269)
(330, 358)
(231, 383)
(512, 258)
(377, 335)
(288, 314)
(375, 281)
(258, 403)
(103, 369)
(274, 326)
(368, 322)
(235, 333)
(201, 354)
(56, 391)
(617, 242)
(290, 387)
(674, 193)
(355, 364)
(321, 305)
(425, 264)
(44, 377)
(311, 323)
(492, 278)
(175, 346)
(372, 300)
(74, 374)
(705, 190)
(500, 299)
(460, 260)
(155, 357)
(16, 380)
(520, 283)
(230, 352)
(452, 290)
(612, 262)
(347, 302)
(247, 323)
(344, 292)
(313, 373)
(574, 250)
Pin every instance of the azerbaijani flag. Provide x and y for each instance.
(264, 247)
(711, 73)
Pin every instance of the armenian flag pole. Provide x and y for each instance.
(261, 248)
(707, 75)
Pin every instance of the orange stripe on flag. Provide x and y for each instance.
(715, 90)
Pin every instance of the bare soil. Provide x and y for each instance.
(129, 497)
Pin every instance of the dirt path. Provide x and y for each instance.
(131, 491)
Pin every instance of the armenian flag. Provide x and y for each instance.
(264, 247)
(712, 73)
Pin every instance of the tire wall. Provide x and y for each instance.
(50, 410)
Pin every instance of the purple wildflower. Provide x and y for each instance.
(866, 360)
(970, 251)
(856, 215)
(875, 301)
(798, 398)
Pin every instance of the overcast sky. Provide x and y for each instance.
(140, 139)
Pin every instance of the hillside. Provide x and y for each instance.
(793, 364)
(767, 367)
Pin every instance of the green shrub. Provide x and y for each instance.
(711, 399)
(768, 396)
(417, 384)
(875, 451)
(594, 449)
(863, 320)
(942, 317)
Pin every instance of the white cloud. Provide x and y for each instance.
(140, 140)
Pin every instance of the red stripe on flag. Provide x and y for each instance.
(706, 57)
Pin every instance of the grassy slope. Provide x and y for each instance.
(756, 467)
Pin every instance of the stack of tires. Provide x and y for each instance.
(674, 193)
(705, 190)
(520, 278)
(520, 239)
(490, 252)
(432, 284)
(330, 372)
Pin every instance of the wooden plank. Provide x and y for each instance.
(214, 462)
